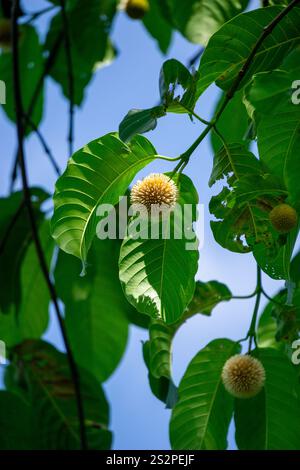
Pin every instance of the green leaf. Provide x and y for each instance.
(197, 20)
(51, 396)
(14, 423)
(172, 74)
(159, 386)
(278, 128)
(157, 274)
(99, 173)
(228, 51)
(31, 64)
(95, 308)
(235, 129)
(29, 319)
(207, 296)
(270, 421)
(89, 24)
(201, 418)
(158, 359)
(157, 26)
(266, 329)
(139, 121)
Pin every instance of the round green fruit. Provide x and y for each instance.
(283, 218)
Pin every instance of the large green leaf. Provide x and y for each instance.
(99, 173)
(227, 51)
(89, 24)
(235, 129)
(157, 274)
(31, 69)
(267, 327)
(197, 20)
(278, 128)
(14, 423)
(28, 318)
(157, 25)
(242, 209)
(51, 395)
(201, 418)
(270, 421)
(95, 307)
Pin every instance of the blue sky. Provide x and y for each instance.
(139, 420)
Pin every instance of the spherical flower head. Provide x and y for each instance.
(136, 9)
(243, 376)
(155, 193)
(283, 218)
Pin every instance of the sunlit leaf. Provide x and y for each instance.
(99, 173)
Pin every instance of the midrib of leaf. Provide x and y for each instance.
(82, 238)
(292, 140)
(213, 401)
(162, 274)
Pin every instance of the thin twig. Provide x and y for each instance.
(36, 15)
(35, 235)
(67, 42)
(48, 65)
(43, 143)
(252, 330)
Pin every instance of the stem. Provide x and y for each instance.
(34, 16)
(252, 332)
(44, 144)
(35, 96)
(70, 74)
(35, 235)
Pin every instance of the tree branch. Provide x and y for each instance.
(35, 235)
(48, 65)
(43, 144)
(70, 74)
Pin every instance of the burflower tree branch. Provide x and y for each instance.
(47, 67)
(34, 229)
(267, 30)
(67, 41)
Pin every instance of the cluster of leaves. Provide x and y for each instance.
(151, 282)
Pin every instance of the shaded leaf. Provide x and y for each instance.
(89, 24)
(139, 121)
(31, 64)
(52, 398)
(197, 20)
(270, 421)
(157, 25)
(14, 423)
(207, 296)
(95, 307)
